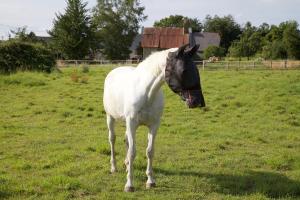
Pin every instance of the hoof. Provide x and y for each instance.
(129, 189)
(150, 185)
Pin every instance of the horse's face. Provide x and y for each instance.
(182, 76)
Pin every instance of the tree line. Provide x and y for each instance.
(110, 27)
(265, 41)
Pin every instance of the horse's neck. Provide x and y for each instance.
(152, 75)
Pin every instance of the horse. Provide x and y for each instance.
(134, 95)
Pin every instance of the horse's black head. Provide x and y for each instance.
(182, 76)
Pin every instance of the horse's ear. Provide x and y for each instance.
(191, 51)
(181, 50)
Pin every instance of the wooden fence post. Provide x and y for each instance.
(203, 64)
(285, 64)
(271, 64)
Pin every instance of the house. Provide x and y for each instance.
(206, 39)
(156, 39)
(135, 48)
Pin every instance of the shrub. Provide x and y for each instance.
(84, 79)
(74, 77)
(85, 69)
(213, 51)
(16, 55)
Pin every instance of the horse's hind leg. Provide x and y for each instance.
(112, 139)
(150, 154)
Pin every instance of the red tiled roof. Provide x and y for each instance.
(164, 38)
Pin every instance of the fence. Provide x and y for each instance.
(204, 65)
(66, 63)
(266, 64)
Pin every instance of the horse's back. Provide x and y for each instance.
(115, 86)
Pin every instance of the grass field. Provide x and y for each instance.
(244, 145)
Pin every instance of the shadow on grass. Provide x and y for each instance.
(272, 185)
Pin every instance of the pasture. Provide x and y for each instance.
(244, 145)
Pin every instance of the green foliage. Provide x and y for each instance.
(275, 42)
(21, 35)
(274, 50)
(116, 23)
(213, 51)
(15, 55)
(180, 21)
(226, 26)
(291, 40)
(71, 33)
(244, 146)
(85, 69)
(250, 42)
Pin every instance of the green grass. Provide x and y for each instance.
(244, 145)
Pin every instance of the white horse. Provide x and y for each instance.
(134, 95)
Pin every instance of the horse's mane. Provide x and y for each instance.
(156, 62)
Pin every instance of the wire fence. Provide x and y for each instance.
(202, 65)
(69, 63)
(249, 65)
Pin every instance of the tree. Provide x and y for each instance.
(116, 23)
(21, 35)
(274, 50)
(71, 32)
(282, 41)
(250, 43)
(291, 40)
(228, 29)
(180, 21)
(264, 29)
(213, 51)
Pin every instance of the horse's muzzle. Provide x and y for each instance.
(193, 98)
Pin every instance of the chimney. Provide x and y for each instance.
(142, 30)
(191, 38)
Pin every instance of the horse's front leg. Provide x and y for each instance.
(150, 154)
(131, 127)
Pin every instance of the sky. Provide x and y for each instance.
(38, 15)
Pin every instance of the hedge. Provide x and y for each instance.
(21, 56)
(211, 51)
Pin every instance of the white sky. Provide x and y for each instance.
(38, 15)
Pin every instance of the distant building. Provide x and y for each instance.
(206, 39)
(156, 39)
(135, 48)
